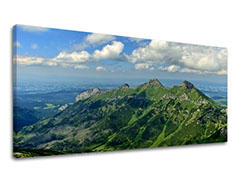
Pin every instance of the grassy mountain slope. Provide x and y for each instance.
(124, 118)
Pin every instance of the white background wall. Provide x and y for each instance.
(206, 22)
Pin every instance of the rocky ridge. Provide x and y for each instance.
(88, 93)
(187, 84)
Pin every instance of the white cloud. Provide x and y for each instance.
(167, 56)
(95, 38)
(138, 40)
(199, 59)
(204, 58)
(163, 68)
(74, 57)
(51, 63)
(29, 60)
(34, 46)
(63, 59)
(100, 68)
(33, 28)
(109, 51)
(66, 65)
(66, 59)
(156, 52)
(158, 45)
(222, 72)
(188, 70)
(141, 66)
(81, 66)
(17, 44)
(173, 68)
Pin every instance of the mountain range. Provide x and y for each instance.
(123, 118)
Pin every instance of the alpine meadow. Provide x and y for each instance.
(78, 92)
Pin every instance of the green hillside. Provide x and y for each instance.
(124, 118)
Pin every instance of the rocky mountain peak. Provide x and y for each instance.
(95, 90)
(88, 93)
(187, 84)
(154, 81)
(125, 85)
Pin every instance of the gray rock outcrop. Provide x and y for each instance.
(88, 93)
(124, 86)
(187, 84)
(154, 81)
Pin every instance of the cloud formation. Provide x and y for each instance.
(171, 68)
(32, 28)
(81, 66)
(184, 57)
(175, 68)
(29, 60)
(93, 39)
(166, 56)
(100, 68)
(65, 59)
(74, 57)
(142, 66)
(109, 51)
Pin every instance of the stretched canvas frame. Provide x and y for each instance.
(77, 92)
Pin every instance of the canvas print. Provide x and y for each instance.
(79, 92)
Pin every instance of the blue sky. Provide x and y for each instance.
(53, 53)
